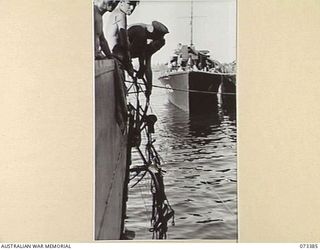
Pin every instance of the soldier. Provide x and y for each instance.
(139, 34)
(117, 35)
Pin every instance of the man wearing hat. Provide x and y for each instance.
(139, 34)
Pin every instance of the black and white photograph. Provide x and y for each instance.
(178, 124)
(165, 120)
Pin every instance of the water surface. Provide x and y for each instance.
(199, 154)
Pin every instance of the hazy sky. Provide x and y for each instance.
(214, 25)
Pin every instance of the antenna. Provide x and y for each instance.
(191, 17)
(191, 23)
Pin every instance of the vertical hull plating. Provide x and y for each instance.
(228, 91)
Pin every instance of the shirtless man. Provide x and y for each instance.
(117, 35)
(139, 34)
(101, 45)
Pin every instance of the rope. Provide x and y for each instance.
(144, 125)
(145, 207)
(225, 205)
(190, 91)
(194, 91)
(159, 128)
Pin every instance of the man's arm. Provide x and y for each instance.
(142, 66)
(152, 48)
(100, 45)
(148, 73)
(104, 46)
(124, 42)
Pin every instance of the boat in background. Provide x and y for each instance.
(193, 87)
(193, 79)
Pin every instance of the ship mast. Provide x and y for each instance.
(191, 22)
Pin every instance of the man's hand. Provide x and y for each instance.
(148, 90)
(129, 69)
(99, 56)
(140, 74)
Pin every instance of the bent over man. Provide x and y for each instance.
(139, 34)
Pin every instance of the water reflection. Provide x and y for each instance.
(202, 125)
(229, 106)
(199, 152)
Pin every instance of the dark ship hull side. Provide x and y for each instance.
(208, 85)
(228, 91)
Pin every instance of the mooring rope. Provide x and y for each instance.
(194, 91)
(185, 90)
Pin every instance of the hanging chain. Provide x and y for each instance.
(142, 122)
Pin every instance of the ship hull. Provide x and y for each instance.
(193, 91)
(228, 92)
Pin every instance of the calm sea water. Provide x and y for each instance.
(199, 154)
